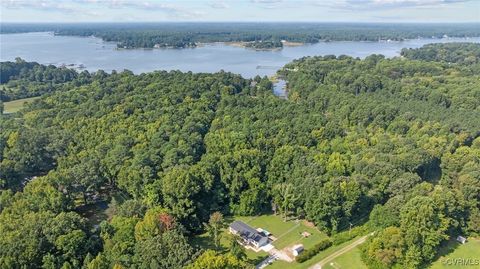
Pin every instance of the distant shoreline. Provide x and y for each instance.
(240, 44)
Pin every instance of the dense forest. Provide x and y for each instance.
(462, 53)
(181, 35)
(21, 79)
(390, 144)
(264, 45)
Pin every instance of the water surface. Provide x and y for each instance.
(95, 54)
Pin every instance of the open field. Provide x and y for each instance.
(317, 258)
(350, 259)
(455, 250)
(16, 105)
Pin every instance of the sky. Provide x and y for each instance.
(240, 10)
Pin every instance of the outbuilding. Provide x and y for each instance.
(461, 239)
(297, 249)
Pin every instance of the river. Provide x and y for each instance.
(95, 54)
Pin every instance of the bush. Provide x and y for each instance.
(309, 253)
(343, 237)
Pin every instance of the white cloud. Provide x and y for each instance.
(90, 6)
(219, 5)
(267, 1)
(45, 5)
(387, 4)
(240, 10)
(268, 4)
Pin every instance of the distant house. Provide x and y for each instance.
(248, 234)
(461, 239)
(297, 249)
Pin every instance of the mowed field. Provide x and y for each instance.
(16, 105)
(350, 259)
(315, 259)
(469, 251)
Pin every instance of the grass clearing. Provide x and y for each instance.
(317, 258)
(454, 250)
(16, 105)
(287, 233)
(204, 241)
(350, 259)
(295, 237)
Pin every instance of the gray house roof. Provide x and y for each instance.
(248, 232)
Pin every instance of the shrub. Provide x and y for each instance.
(309, 253)
(343, 237)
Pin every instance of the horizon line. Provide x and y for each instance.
(260, 22)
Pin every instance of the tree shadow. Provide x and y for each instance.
(94, 213)
(257, 260)
(445, 249)
(203, 242)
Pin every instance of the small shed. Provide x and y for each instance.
(461, 239)
(297, 249)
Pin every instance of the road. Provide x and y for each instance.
(339, 252)
(266, 262)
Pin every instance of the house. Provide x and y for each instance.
(248, 234)
(297, 249)
(461, 239)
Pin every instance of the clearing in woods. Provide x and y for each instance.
(16, 105)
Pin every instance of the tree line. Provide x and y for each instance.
(21, 79)
(181, 35)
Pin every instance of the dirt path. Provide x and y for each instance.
(339, 252)
(288, 231)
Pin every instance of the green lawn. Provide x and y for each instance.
(204, 241)
(14, 106)
(288, 234)
(454, 250)
(317, 258)
(350, 259)
(295, 237)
